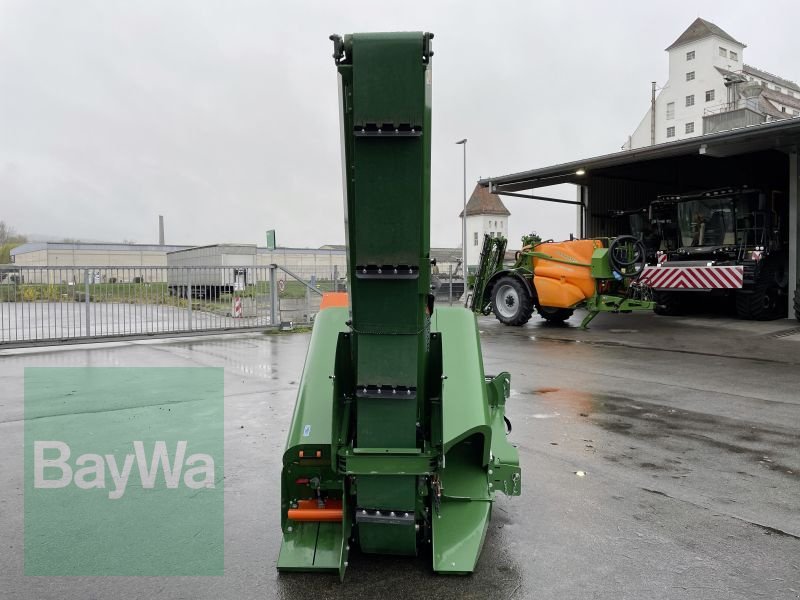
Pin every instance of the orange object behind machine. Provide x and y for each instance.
(559, 284)
(331, 299)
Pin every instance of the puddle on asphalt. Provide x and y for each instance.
(684, 430)
(674, 429)
(557, 340)
(560, 400)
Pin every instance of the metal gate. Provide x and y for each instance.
(55, 305)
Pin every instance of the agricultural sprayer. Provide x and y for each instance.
(555, 278)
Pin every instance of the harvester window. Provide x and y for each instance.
(706, 222)
(751, 223)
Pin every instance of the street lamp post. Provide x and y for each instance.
(463, 143)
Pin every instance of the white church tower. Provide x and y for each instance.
(486, 214)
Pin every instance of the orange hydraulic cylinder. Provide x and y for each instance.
(309, 510)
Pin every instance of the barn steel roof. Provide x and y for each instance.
(781, 135)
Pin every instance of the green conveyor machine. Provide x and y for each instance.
(398, 439)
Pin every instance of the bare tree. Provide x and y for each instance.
(9, 239)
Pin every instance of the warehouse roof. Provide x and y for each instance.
(699, 29)
(332, 250)
(781, 135)
(483, 202)
(114, 247)
(221, 248)
(446, 255)
(101, 246)
(751, 70)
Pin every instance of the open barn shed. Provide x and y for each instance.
(761, 156)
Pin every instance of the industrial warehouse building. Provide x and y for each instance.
(117, 262)
(64, 254)
(124, 262)
(130, 261)
(710, 89)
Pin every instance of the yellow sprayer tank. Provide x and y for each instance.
(565, 279)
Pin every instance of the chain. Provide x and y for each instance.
(378, 331)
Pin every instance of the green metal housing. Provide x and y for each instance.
(395, 418)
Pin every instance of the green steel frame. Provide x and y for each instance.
(395, 418)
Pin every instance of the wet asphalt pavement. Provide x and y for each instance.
(687, 432)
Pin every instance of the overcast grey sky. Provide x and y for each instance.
(223, 116)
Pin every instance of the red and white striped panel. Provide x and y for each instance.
(693, 278)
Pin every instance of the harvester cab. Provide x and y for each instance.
(729, 241)
(398, 439)
(655, 226)
(663, 219)
(555, 278)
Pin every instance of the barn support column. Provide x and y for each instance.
(583, 198)
(794, 226)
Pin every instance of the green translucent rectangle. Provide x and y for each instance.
(388, 78)
(387, 423)
(393, 492)
(389, 202)
(380, 538)
(79, 522)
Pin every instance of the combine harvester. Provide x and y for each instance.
(555, 278)
(722, 243)
(398, 439)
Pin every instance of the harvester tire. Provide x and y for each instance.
(764, 301)
(669, 304)
(554, 315)
(797, 304)
(511, 302)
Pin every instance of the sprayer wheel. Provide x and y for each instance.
(511, 302)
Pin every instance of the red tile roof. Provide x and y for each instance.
(699, 30)
(483, 202)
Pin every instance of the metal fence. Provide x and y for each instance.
(55, 305)
(47, 305)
